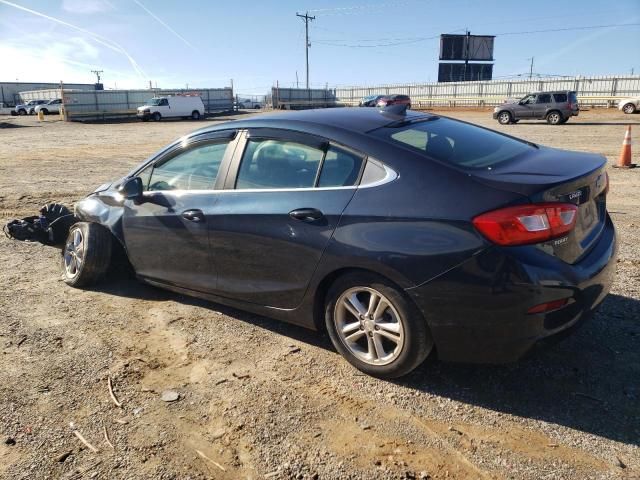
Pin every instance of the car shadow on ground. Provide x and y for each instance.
(588, 381)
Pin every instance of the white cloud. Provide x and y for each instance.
(42, 58)
(87, 6)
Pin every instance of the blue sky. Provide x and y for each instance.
(354, 42)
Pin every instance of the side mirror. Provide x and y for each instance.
(131, 189)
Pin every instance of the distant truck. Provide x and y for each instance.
(185, 106)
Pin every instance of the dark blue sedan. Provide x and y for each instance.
(400, 234)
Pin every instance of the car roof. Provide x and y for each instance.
(359, 120)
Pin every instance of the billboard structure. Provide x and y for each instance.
(460, 72)
(465, 48)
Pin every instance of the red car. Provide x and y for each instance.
(389, 100)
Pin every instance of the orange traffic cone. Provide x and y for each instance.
(625, 154)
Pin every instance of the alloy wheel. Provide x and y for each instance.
(554, 118)
(504, 118)
(629, 108)
(74, 253)
(369, 326)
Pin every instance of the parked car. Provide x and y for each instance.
(389, 100)
(185, 106)
(554, 107)
(370, 101)
(52, 106)
(629, 105)
(247, 103)
(28, 108)
(398, 234)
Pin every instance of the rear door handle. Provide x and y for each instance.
(193, 215)
(306, 214)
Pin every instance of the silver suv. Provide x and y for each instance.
(27, 108)
(554, 107)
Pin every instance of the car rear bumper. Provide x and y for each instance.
(477, 312)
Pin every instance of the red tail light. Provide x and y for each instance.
(527, 224)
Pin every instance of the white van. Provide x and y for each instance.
(186, 106)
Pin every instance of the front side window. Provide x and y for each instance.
(194, 169)
(544, 98)
(455, 142)
(271, 164)
(528, 100)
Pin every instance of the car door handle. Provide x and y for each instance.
(193, 215)
(306, 214)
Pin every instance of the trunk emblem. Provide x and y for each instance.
(574, 195)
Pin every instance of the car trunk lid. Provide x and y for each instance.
(551, 175)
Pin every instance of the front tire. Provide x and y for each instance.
(375, 326)
(505, 118)
(629, 108)
(45, 111)
(195, 115)
(86, 254)
(554, 118)
(22, 112)
(156, 117)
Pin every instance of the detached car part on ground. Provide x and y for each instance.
(401, 235)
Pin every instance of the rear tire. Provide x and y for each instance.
(564, 120)
(629, 108)
(156, 117)
(45, 111)
(384, 339)
(505, 118)
(86, 254)
(22, 111)
(554, 117)
(195, 115)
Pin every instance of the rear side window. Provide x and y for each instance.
(270, 164)
(544, 98)
(340, 168)
(274, 164)
(453, 142)
(560, 97)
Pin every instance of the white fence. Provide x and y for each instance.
(107, 104)
(596, 91)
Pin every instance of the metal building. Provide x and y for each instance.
(10, 91)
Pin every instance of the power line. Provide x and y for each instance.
(306, 18)
(423, 39)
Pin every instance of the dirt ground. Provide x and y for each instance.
(262, 399)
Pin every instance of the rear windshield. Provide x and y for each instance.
(572, 97)
(455, 142)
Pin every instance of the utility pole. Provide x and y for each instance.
(97, 72)
(298, 84)
(531, 69)
(305, 19)
(466, 56)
